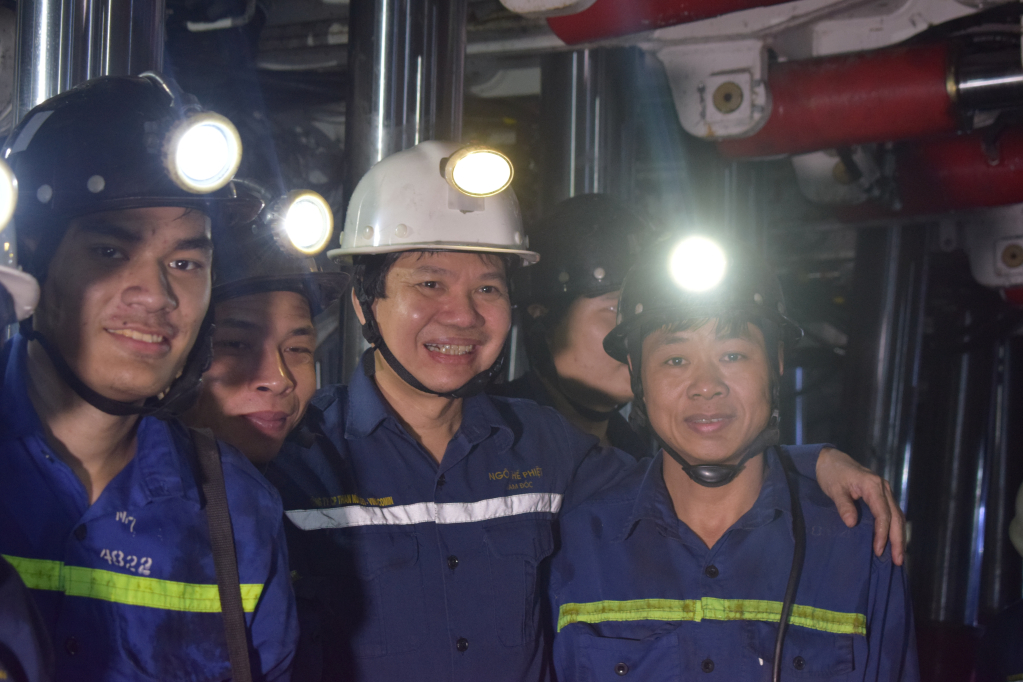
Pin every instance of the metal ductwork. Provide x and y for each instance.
(64, 42)
(881, 96)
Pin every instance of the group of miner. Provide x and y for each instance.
(179, 501)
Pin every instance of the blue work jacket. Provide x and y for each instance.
(126, 586)
(414, 570)
(410, 570)
(636, 594)
(1000, 655)
(26, 654)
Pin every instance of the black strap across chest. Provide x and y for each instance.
(224, 560)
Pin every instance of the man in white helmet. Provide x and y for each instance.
(421, 510)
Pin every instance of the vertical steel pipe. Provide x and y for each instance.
(587, 124)
(406, 60)
(64, 42)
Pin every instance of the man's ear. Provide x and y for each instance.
(537, 310)
(358, 308)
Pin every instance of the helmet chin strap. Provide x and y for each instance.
(173, 402)
(717, 475)
(371, 332)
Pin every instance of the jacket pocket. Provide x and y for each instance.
(516, 549)
(806, 654)
(600, 659)
(392, 619)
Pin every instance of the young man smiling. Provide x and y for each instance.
(101, 502)
(421, 511)
(699, 560)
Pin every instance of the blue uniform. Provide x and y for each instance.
(26, 654)
(637, 595)
(126, 586)
(407, 569)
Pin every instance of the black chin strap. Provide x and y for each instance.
(178, 398)
(717, 475)
(371, 332)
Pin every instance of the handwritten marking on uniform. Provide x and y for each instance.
(338, 500)
(515, 474)
(133, 563)
(426, 512)
(127, 520)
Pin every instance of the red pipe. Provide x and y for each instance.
(879, 96)
(611, 18)
(955, 173)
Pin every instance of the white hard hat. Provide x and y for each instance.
(22, 287)
(405, 203)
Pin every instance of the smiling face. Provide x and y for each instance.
(707, 395)
(577, 346)
(446, 315)
(263, 373)
(125, 296)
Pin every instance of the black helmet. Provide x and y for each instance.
(587, 244)
(111, 143)
(695, 279)
(250, 259)
(114, 143)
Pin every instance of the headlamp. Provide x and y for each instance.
(203, 152)
(698, 264)
(478, 171)
(302, 221)
(8, 194)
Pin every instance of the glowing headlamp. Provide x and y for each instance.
(478, 171)
(202, 153)
(8, 194)
(302, 221)
(698, 264)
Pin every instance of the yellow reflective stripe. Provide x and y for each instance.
(135, 590)
(709, 608)
(37, 574)
(1014, 678)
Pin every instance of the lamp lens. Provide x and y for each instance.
(698, 264)
(308, 223)
(482, 173)
(207, 155)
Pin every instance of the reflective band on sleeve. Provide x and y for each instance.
(135, 590)
(709, 608)
(425, 512)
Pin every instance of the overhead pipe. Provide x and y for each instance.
(64, 42)
(880, 96)
(612, 18)
(960, 172)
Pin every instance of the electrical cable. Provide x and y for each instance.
(798, 556)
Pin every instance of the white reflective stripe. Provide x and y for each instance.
(425, 512)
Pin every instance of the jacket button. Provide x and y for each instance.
(707, 666)
(462, 644)
(441, 481)
(71, 646)
(711, 571)
(621, 669)
(452, 562)
(798, 663)
(81, 532)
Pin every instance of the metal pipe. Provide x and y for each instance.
(64, 42)
(406, 60)
(989, 80)
(587, 123)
